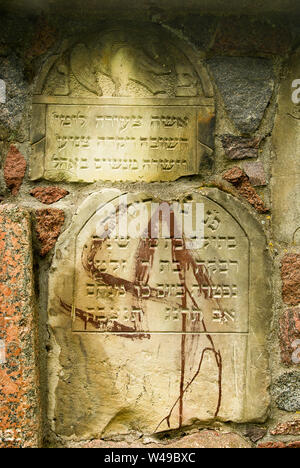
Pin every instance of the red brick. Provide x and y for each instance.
(295, 444)
(49, 195)
(198, 440)
(48, 227)
(290, 273)
(287, 428)
(44, 38)
(237, 177)
(289, 333)
(14, 170)
(19, 408)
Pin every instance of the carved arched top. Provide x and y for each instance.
(146, 62)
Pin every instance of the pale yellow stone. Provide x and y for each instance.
(152, 333)
(286, 163)
(122, 106)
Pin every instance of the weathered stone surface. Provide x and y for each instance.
(237, 177)
(203, 439)
(289, 333)
(280, 445)
(255, 433)
(240, 147)
(49, 195)
(241, 36)
(11, 71)
(2, 92)
(287, 428)
(14, 170)
(246, 85)
(19, 408)
(256, 173)
(48, 226)
(290, 274)
(199, 29)
(287, 391)
(286, 163)
(140, 112)
(147, 334)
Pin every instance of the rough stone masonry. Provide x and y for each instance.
(149, 224)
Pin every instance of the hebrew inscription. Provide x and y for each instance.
(122, 105)
(86, 142)
(171, 281)
(164, 327)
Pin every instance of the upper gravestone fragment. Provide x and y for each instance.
(123, 104)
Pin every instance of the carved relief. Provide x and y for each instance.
(99, 93)
(127, 63)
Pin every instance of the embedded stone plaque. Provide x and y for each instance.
(122, 105)
(159, 312)
(286, 166)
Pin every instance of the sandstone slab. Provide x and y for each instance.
(203, 439)
(156, 331)
(286, 164)
(132, 104)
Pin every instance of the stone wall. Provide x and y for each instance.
(247, 165)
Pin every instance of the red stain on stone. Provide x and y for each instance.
(237, 177)
(19, 406)
(289, 332)
(14, 170)
(290, 273)
(144, 262)
(49, 195)
(48, 227)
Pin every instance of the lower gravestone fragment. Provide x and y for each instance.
(159, 312)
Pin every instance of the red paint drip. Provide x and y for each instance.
(146, 252)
